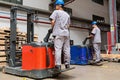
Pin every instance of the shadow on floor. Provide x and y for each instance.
(63, 77)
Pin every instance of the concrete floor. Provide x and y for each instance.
(109, 71)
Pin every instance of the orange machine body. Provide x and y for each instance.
(37, 57)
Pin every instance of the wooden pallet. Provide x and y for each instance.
(3, 64)
(2, 58)
(3, 32)
(5, 28)
(2, 53)
(36, 39)
(111, 57)
(22, 34)
(5, 37)
(2, 47)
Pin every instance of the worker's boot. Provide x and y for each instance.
(67, 66)
(58, 67)
(97, 61)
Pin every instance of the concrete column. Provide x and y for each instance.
(113, 21)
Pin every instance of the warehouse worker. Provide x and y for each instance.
(96, 35)
(60, 21)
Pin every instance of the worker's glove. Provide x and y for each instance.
(48, 35)
(84, 42)
(88, 37)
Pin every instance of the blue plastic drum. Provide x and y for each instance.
(80, 55)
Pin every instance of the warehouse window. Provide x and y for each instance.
(14, 1)
(99, 1)
(118, 23)
(98, 19)
(118, 6)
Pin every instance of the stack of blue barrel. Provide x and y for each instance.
(80, 55)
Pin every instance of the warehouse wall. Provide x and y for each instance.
(75, 34)
(104, 40)
(84, 11)
(78, 6)
(40, 29)
(78, 35)
(81, 8)
(41, 4)
(86, 8)
(4, 22)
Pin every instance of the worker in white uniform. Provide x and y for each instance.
(60, 21)
(96, 35)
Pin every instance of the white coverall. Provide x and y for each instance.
(97, 43)
(62, 36)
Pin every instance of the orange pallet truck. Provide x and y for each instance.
(37, 58)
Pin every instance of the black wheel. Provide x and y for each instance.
(3, 69)
(55, 75)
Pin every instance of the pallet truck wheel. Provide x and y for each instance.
(55, 75)
(3, 69)
(119, 60)
(102, 60)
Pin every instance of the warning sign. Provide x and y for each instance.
(112, 28)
